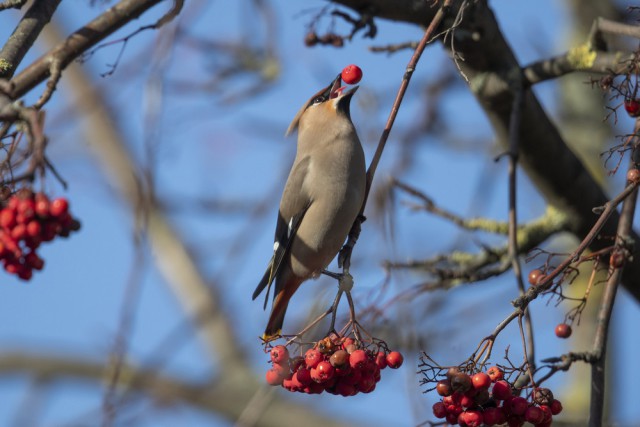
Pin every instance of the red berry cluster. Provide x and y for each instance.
(336, 365)
(26, 220)
(485, 398)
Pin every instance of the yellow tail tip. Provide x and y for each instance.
(271, 337)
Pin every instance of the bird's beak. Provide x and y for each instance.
(336, 90)
(341, 99)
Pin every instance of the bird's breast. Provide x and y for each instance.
(335, 184)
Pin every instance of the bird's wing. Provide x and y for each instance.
(289, 218)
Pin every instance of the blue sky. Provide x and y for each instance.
(205, 148)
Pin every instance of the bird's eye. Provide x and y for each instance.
(319, 100)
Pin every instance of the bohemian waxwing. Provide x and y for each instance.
(321, 199)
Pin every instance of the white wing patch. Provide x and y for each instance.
(276, 245)
(290, 228)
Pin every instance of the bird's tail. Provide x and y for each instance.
(264, 282)
(274, 325)
(278, 310)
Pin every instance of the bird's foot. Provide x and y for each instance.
(345, 283)
(345, 280)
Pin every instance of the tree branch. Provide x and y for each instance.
(226, 396)
(25, 35)
(489, 64)
(582, 59)
(625, 224)
(200, 300)
(344, 258)
(78, 42)
(12, 4)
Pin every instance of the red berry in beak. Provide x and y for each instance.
(352, 74)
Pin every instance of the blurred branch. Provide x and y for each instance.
(393, 48)
(592, 56)
(199, 300)
(180, 204)
(603, 25)
(254, 57)
(12, 4)
(469, 224)
(458, 267)
(581, 58)
(237, 385)
(462, 266)
(118, 356)
(218, 396)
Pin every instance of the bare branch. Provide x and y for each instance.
(78, 42)
(25, 35)
(489, 64)
(514, 251)
(12, 4)
(580, 59)
(462, 267)
(344, 258)
(606, 307)
(607, 212)
(226, 396)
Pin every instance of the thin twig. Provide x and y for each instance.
(514, 132)
(392, 48)
(352, 316)
(563, 363)
(80, 41)
(514, 251)
(344, 258)
(309, 326)
(605, 213)
(521, 303)
(110, 402)
(613, 27)
(411, 67)
(526, 351)
(625, 224)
